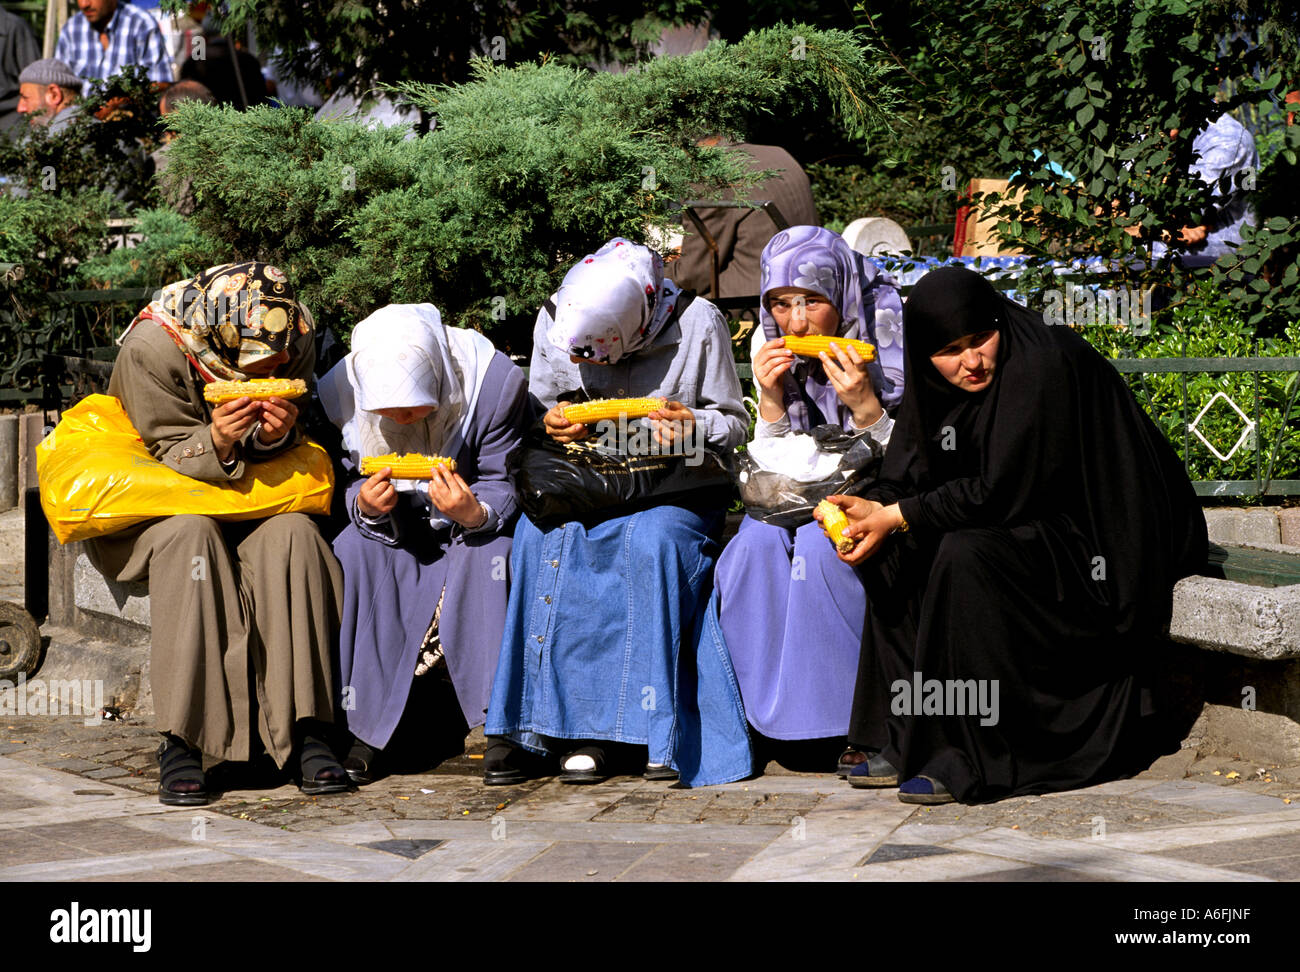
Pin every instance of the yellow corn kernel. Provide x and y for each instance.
(810, 346)
(835, 523)
(410, 465)
(218, 392)
(612, 408)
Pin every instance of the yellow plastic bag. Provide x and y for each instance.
(97, 478)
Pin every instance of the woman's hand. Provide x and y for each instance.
(848, 375)
(771, 363)
(870, 522)
(453, 498)
(672, 423)
(378, 495)
(561, 429)
(229, 423)
(278, 416)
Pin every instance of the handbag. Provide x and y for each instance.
(558, 482)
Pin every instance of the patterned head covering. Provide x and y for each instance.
(229, 317)
(870, 307)
(612, 303)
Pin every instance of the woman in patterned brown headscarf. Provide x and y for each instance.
(242, 613)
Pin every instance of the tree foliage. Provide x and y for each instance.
(355, 46)
(526, 168)
(1096, 89)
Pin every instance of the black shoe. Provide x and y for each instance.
(507, 764)
(361, 764)
(598, 773)
(874, 773)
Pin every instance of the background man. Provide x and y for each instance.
(47, 94)
(109, 36)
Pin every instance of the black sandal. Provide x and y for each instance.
(850, 758)
(321, 771)
(361, 763)
(180, 765)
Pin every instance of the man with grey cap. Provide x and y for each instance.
(48, 92)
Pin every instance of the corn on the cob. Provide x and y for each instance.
(835, 523)
(218, 392)
(612, 408)
(812, 345)
(410, 465)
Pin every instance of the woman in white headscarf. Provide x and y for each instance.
(599, 647)
(424, 564)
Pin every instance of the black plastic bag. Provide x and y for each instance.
(771, 497)
(558, 482)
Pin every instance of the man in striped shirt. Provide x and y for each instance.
(110, 35)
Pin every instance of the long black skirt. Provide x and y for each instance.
(984, 665)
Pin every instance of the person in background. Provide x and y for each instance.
(108, 36)
(232, 74)
(178, 194)
(18, 48)
(48, 93)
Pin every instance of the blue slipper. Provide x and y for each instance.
(874, 773)
(925, 790)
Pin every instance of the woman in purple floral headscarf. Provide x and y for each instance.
(789, 610)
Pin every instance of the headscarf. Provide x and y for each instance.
(230, 316)
(870, 309)
(612, 302)
(1055, 444)
(403, 357)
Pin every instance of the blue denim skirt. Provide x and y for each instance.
(605, 639)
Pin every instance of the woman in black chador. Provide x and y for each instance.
(1040, 521)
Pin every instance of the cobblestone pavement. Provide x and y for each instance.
(79, 803)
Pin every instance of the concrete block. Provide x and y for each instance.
(95, 593)
(31, 429)
(1258, 622)
(1288, 522)
(8, 462)
(1242, 526)
(1260, 736)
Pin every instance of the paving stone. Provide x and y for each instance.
(1018, 875)
(724, 815)
(107, 773)
(1234, 852)
(582, 861)
(712, 861)
(412, 849)
(74, 765)
(904, 852)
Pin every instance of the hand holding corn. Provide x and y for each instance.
(453, 498)
(378, 495)
(671, 423)
(560, 428)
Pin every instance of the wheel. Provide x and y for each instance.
(20, 642)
